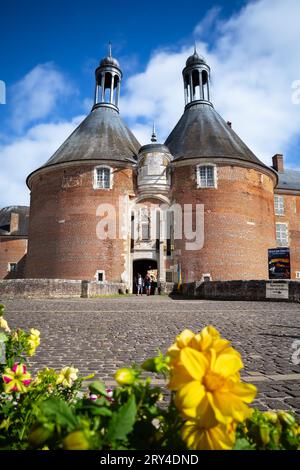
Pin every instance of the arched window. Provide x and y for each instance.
(102, 177)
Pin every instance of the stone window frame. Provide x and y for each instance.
(170, 273)
(215, 176)
(9, 267)
(106, 167)
(206, 276)
(280, 241)
(279, 204)
(100, 271)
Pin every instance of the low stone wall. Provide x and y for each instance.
(56, 288)
(93, 288)
(281, 290)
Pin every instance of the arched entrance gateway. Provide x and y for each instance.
(143, 267)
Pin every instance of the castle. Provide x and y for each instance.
(248, 207)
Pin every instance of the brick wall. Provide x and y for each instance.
(292, 218)
(63, 243)
(239, 224)
(12, 250)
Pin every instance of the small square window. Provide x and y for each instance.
(206, 176)
(206, 278)
(103, 178)
(12, 267)
(297, 274)
(169, 276)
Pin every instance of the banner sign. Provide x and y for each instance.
(279, 263)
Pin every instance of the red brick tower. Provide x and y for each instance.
(93, 167)
(214, 168)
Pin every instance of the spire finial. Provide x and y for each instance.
(195, 47)
(109, 49)
(154, 136)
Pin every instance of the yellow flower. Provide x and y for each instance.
(208, 338)
(16, 379)
(197, 437)
(207, 380)
(67, 376)
(33, 341)
(4, 325)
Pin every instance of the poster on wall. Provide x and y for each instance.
(279, 263)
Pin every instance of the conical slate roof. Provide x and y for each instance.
(202, 132)
(102, 135)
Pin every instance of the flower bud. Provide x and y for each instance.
(149, 365)
(286, 418)
(76, 441)
(271, 416)
(39, 435)
(264, 435)
(125, 376)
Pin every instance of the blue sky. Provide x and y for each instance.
(49, 51)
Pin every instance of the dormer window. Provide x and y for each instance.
(206, 176)
(103, 177)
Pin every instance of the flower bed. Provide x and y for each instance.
(208, 406)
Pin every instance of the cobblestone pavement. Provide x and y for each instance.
(104, 334)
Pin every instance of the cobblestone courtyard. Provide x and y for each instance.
(101, 335)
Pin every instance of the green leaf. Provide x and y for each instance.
(243, 444)
(101, 411)
(97, 387)
(59, 411)
(122, 421)
(96, 408)
(3, 337)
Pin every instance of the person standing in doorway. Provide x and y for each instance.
(139, 284)
(148, 284)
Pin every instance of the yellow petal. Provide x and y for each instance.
(205, 412)
(227, 364)
(228, 406)
(190, 395)
(220, 438)
(246, 392)
(184, 338)
(212, 331)
(179, 377)
(194, 362)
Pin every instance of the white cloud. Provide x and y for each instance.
(36, 96)
(23, 155)
(208, 21)
(254, 61)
